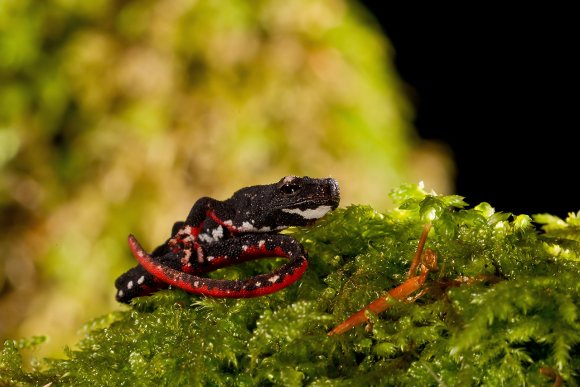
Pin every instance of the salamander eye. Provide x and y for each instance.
(290, 188)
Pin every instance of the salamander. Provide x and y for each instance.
(217, 234)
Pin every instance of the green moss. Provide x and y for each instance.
(523, 316)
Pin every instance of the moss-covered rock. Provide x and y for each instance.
(502, 309)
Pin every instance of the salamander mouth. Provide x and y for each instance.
(304, 205)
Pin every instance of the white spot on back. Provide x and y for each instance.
(218, 233)
(274, 278)
(141, 280)
(196, 284)
(247, 227)
(120, 293)
(309, 213)
(130, 285)
(205, 238)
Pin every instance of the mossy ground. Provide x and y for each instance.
(519, 316)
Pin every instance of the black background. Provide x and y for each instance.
(500, 88)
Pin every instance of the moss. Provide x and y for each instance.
(520, 316)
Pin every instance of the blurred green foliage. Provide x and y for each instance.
(501, 330)
(115, 116)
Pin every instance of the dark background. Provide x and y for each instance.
(501, 91)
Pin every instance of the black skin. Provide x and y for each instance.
(218, 233)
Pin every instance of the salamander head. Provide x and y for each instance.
(293, 201)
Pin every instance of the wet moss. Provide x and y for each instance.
(503, 305)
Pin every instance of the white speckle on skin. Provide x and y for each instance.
(205, 238)
(186, 231)
(247, 227)
(261, 243)
(228, 223)
(140, 253)
(141, 280)
(120, 293)
(196, 284)
(309, 213)
(130, 285)
(186, 257)
(218, 233)
(258, 283)
(245, 247)
(210, 258)
(274, 278)
(199, 254)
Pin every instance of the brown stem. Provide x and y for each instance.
(412, 284)
(552, 374)
(381, 304)
(417, 258)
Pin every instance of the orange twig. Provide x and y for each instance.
(417, 258)
(412, 284)
(382, 303)
(400, 293)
